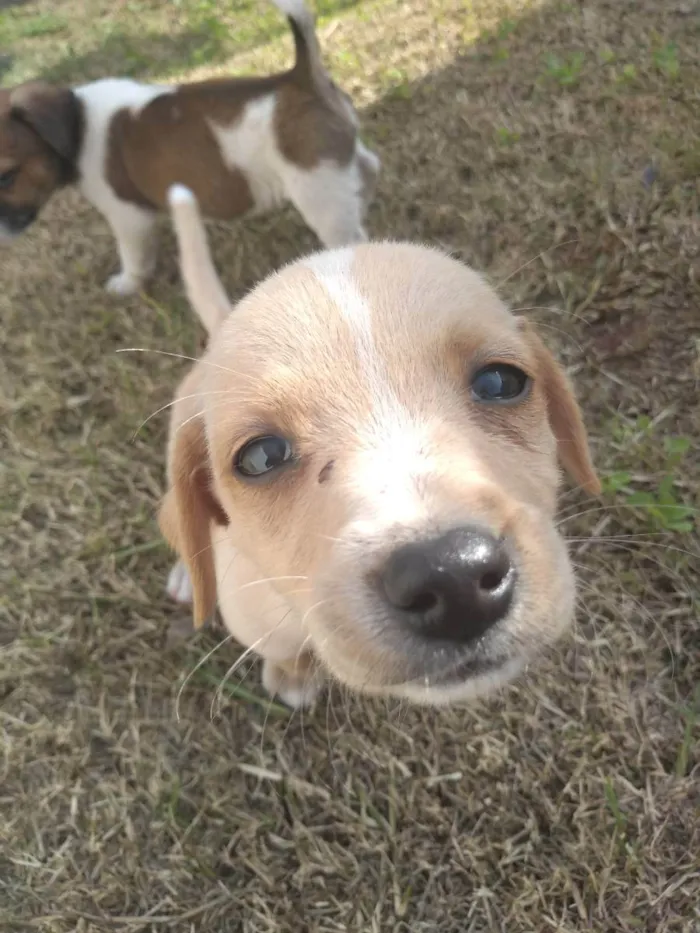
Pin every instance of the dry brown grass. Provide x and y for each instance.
(568, 803)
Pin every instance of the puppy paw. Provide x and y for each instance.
(298, 691)
(179, 585)
(123, 284)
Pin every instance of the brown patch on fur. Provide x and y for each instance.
(54, 113)
(116, 171)
(564, 416)
(171, 141)
(310, 128)
(41, 130)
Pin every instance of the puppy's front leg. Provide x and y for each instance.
(179, 585)
(328, 201)
(296, 682)
(133, 229)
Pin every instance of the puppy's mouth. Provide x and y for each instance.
(15, 220)
(463, 671)
(387, 660)
(394, 662)
(6, 234)
(453, 667)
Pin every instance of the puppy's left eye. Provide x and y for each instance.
(8, 177)
(263, 454)
(500, 382)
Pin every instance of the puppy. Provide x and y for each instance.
(241, 144)
(362, 473)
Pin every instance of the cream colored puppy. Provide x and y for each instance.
(363, 470)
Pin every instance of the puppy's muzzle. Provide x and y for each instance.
(449, 590)
(15, 220)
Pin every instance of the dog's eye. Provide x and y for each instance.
(7, 178)
(500, 382)
(262, 455)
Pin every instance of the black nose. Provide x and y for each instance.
(24, 217)
(454, 587)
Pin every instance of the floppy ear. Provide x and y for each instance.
(54, 113)
(564, 416)
(186, 512)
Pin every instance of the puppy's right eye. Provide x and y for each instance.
(262, 455)
(7, 178)
(500, 383)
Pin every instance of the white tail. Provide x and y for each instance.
(202, 284)
(308, 51)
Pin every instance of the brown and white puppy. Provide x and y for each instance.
(241, 144)
(363, 473)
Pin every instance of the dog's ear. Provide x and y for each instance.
(564, 416)
(54, 113)
(186, 513)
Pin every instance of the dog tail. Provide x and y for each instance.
(309, 62)
(202, 284)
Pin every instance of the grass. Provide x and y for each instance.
(138, 38)
(553, 145)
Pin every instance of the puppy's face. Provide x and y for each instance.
(373, 420)
(36, 145)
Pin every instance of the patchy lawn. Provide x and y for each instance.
(556, 146)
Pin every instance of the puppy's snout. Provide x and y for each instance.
(451, 588)
(17, 219)
(25, 216)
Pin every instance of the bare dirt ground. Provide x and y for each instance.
(556, 146)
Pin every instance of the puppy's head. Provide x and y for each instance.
(40, 131)
(375, 421)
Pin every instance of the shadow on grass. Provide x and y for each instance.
(149, 56)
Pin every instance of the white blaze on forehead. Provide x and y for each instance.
(389, 469)
(393, 441)
(333, 270)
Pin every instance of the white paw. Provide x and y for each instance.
(123, 284)
(297, 692)
(179, 585)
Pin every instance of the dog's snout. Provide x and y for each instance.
(25, 216)
(17, 219)
(453, 587)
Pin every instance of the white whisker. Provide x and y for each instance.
(194, 671)
(190, 359)
(552, 310)
(534, 259)
(180, 398)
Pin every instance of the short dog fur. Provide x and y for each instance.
(241, 144)
(362, 473)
